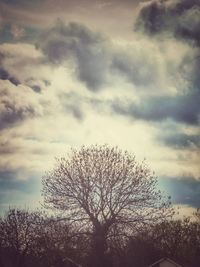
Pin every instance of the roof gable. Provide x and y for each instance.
(155, 264)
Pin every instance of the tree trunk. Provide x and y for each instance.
(99, 256)
(1, 261)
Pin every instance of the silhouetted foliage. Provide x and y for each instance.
(18, 231)
(176, 239)
(33, 239)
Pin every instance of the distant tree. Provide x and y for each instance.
(197, 215)
(58, 243)
(1, 244)
(175, 239)
(103, 189)
(178, 240)
(18, 230)
(141, 250)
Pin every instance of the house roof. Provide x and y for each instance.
(165, 259)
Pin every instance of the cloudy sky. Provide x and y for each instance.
(76, 72)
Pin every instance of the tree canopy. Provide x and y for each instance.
(104, 188)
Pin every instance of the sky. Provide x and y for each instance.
(81, 72)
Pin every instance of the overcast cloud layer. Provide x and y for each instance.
(86, 72)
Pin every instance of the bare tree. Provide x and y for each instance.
(197, 215)
(58, 243)
(104, 188)
(18, 230)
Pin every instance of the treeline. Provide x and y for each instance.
(29, 239)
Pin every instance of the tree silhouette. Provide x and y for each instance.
(104, 189)
(197, 215)
(18, 232)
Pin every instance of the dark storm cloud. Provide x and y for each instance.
(183, 190)
(23, 3)
(5, 33)
(36, 3)
(183, 109)
(73, 104)
(14, 115)
(16, 104)
(95, 58)
(8, 147)
(181, 18)
(4, 75)
(37, 85)
(194, 76)
(136, 68)
(12, 30)
(36, 88)
(181, 141)
(77, 43)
